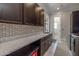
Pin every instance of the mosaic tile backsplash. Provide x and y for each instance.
(12, 30)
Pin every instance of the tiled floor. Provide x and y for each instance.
(62, 49)
(58, 49)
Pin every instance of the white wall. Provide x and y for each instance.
(51, 20)
(65, 24)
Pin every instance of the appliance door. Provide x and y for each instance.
(73, 45)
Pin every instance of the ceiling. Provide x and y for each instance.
(52, 7)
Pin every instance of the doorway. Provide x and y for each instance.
(57, 28)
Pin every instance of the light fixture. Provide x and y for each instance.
(58, 8)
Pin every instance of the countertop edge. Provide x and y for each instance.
(11, 46)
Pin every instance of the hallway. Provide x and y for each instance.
(62, 49)
(58, 49)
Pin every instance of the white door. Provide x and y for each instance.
(57, 28)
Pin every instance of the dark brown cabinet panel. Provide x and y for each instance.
(29, 14)
(11, 12)
(40, 18)
(75, 21)
(33, 15)
(22, 13)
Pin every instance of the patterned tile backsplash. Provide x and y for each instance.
(12, 30)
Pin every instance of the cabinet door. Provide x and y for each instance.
(75, 21)
(33, 15)
(29, 14)
(39, 16)
(11, 12)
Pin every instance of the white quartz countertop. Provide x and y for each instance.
(11, 46)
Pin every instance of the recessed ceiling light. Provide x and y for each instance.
(58, 8)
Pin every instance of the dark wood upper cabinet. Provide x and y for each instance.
(21, 13)
(29, 14)
(11, 12)
(33, 14)
(39, 17)
(75, 21)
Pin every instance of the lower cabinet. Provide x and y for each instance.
(75, 45)
(45, 44)
(37, 48)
